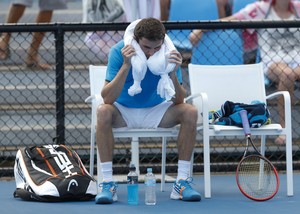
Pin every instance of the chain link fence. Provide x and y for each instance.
(37, 106)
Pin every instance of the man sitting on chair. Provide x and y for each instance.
(146, 108)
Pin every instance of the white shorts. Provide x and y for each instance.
(147, 118)
(44, 4)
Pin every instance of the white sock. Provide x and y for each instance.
(183, 170)
(107, 172)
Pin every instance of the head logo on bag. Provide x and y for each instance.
(72, 185)
(52, 173)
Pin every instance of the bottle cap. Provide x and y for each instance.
(149, 170)
(132, 167)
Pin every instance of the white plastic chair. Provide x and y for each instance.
(212, 85)
(97, 79)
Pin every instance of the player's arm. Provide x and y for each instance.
(180, 92)
(112, 89)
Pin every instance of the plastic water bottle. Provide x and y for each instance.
(150, 186)
(132, 186)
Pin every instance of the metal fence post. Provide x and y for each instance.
(60, 86)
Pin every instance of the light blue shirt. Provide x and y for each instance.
(148, 97)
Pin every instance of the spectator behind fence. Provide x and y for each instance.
(136, 9)
(249, 40)
(100, 42)
(146, 109)
(279, 48)
(165, 6)
(98, 11)
(224, 8)
(15, 12)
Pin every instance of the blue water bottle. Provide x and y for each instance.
(132, 186)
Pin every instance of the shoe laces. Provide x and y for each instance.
(107, 186)
(186, 183)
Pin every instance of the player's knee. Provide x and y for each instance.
(191, 114)
(104, 114)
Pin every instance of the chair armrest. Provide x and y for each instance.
(285, 94)
(205, 111)
(94, 99)
(191, 97)
(287, 106)
(89, 99)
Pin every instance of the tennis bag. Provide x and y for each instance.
(51, 173)
(257, 113)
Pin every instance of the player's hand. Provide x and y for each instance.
(195, 36)
(175, 57)
(128, 51)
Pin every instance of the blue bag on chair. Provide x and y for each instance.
(258, 114)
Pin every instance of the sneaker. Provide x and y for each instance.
(107, 194)
(182, 190)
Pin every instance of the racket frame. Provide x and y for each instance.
(247, 132)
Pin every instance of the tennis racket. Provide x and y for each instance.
(256, 176)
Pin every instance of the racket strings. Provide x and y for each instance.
(257, 177)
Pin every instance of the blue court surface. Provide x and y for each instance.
(226, 198)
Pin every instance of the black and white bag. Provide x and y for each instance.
(52, 173)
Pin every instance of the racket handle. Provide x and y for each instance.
(245, 122)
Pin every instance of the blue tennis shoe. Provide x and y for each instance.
(107, 194)
(182, 190)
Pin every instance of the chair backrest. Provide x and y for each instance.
(190, 10)
(237, 83)
(219, 47)
(97, 75)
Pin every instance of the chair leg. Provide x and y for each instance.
(289, 165)
(263, 145)
(289, 162)
(262, 151)
(135, 154)
(192, 164)
(163, 164)
(207, 181)
(288, 145)
(99, 173)
(92, 153)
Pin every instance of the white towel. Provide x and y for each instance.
(138, 61)
(158, 64)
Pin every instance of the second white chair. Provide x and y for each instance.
(215, 84)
